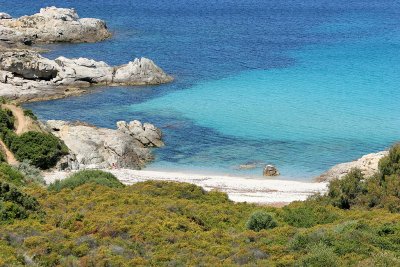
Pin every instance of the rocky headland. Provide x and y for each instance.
(28, 76)
(51, 25)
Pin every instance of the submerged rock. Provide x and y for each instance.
(52, 25)
(270, 170)
(93, 147)
(368, 165)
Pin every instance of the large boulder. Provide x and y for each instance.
(94, 147)
(140, 72)
(270, 170)
(28, 65)
(53, 24)
(83, 69)
(147, 133)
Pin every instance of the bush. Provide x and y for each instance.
(6, 119)
(29, 113)
(260, 220)
(84, 177)
(15, 204)
(41, 149)
(31, 173)
(390, 164)
(3, 157)
(344, 192)
(11, 175)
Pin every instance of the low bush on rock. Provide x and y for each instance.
(29, 113)
(84, 177)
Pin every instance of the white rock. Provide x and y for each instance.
(57, 25)
(30, 75)
(101, 147)
(5, 16)
(140, 72)
(83, 69)
(368, 165)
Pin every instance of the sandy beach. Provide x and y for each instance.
(239, 189)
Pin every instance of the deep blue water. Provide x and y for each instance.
(299, 84)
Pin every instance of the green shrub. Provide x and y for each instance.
(260, 220)
(29, 113)
(10, 211)
(14, 204)
(344, 192)
(11, 175)
(320, 255)
(84, 177)
(41, 149)
(391, 163)
(3, 157)
(6, 119)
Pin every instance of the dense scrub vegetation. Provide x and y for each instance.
(91, 219)
(379, 191)
(42, 150)
(85, 177)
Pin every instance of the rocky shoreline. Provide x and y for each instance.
(27, 76)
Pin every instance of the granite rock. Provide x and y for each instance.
(368, 165)
(93, 147)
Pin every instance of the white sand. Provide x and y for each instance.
(239, 189)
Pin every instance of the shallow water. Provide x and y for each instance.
(299, 84)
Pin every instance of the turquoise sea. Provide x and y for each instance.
(303, 85)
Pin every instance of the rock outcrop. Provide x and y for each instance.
(368, 165)
(93, 147)
(5, 16)
(147, 134)
(52, 25)
(26, 75)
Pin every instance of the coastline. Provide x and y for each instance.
(239, 188)
(244, 188)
